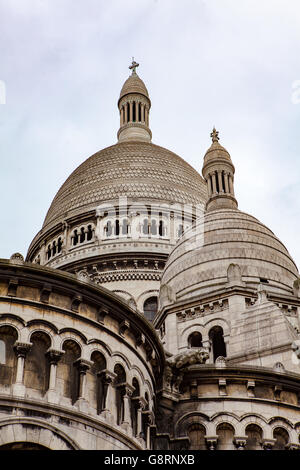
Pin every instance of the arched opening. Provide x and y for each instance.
(196, 434)
(54, 249)
(225, 433)
(23, 446)
(89, 235)
(82, 235)
(75, 238)
(153, 227)
(49, 252)
(95, 382)
(150, 308)
(59, 245)
(161, 228)
(36, 369)
(281, 437)
(8, 360)
(216, 337)
(254, 437)
(117, 227)
(145, 227)
(128, 112)
(67, 372)
(108, 229)
(195, 340)
(217, 182)
(124, 227)
(223, 181)
(180, 230)
(140, 112)
(134, 111)
(119, 382)
(134, 405)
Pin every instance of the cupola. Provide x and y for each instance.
(218, 172)
(134, 106)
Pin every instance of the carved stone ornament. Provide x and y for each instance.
(17, 258)
(83, 276)
(189, 357)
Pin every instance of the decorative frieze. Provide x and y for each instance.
(202, 310)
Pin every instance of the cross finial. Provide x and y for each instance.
(215, 135)
(133, 66)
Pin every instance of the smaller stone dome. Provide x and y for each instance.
(199, 263)
(134, 84)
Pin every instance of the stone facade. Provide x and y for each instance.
(150, 312)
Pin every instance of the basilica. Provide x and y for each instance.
(150, 312)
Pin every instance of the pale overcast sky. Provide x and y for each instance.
(228, 63)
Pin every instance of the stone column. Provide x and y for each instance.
(126, 423)
(147, 117)
(173, 235)
(209, 186)
(240, 442)
(230, 177)
(150, 422)
(139, 429)
(108, 398)
(54, 357)
(221, 190)
(211, 442)
(268, 444)
(143, 113)
(122, 116)
(130, 111)
(21, 350)
(83, 366)
(226, 182)
(66, 243)
(213, 176)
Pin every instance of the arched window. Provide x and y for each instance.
(59, 245)
(89, 235)
(8, 337)
(254, 437)
(119, 381)
(2, 352)
(140, 112)
(145, 227)
(153, 228)
(67, 372)
(96, 386)
(49, 252)
(216, 337)
(196, 434)
(180, 230)
(54, 249)
(134, 111)
(161, 229)
(150, 308)
(37, 367)
(117, 227)
(282, 438)
(75, 238)
(134, 405)
(128, 115)
(108, 229)
(195, 340)
(225, 433)
(124, 227)
(82, 235)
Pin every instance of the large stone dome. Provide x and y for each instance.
(198, 265)
(133, 169)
